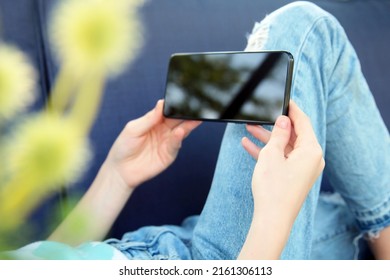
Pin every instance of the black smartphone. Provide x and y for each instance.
(244, 87)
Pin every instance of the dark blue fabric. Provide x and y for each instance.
(19, 26)
(188, 26)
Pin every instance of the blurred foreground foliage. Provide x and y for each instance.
(42, 151)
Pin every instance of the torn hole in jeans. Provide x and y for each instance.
(259, 35)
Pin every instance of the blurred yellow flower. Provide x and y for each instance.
(46, 151)
(100, 35)
(93, 40)
(17, 81)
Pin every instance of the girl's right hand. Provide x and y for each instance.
(286, 169)
(288, 165)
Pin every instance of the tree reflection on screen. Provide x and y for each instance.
(245, 86)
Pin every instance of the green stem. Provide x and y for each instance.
(87, 102)
(62, 91)
(17, 199)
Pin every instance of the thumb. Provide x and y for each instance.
(142, 125)
(281, 133)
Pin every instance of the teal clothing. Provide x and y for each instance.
(49, 250)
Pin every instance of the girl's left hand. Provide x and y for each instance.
(147, 146)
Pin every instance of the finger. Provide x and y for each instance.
(188, 127)
(250, 147)
(259, 132)
(175, 141)
(280, 136)
(303, 129)
(145, 123)
(171, 122)
(180, 133)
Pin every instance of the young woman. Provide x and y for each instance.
(328, 85)
(265, 201)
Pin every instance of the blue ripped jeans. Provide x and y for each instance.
(330, 88)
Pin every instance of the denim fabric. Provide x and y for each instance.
(157, 242)
(336, 234)
(329, 86)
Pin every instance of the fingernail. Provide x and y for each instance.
(157, 104)
(282, 122)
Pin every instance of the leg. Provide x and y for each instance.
(336, 235)
(329, 86)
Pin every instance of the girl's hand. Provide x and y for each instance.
(286, 169)
(147, 146)
(288, 165)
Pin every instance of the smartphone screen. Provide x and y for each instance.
(249, 87)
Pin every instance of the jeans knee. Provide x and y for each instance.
(303, 9)
(290, 22)
(302, 13)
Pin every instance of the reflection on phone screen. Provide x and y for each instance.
(241, 86)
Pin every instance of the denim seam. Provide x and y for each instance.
(309, 32)
(150, 243)
(376, 211)
(336, 233)
(375, 219)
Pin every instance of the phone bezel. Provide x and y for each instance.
(287, 90)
